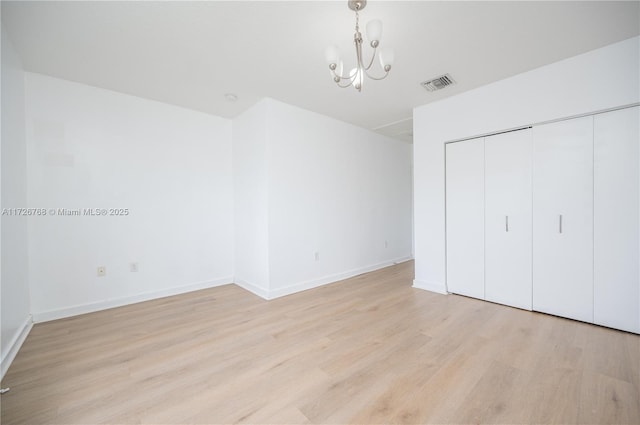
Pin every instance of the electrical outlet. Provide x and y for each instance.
(317, 256)
(133, 267)
(386, 244)
(102, 271)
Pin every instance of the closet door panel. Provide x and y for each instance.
(563, 218)
(465, 217)
(617, 219)
(508, 218)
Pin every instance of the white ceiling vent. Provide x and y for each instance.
(438, 83)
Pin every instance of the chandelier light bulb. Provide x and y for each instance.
(387, 56)
(332, 55)
(374, 32)
(353, 73)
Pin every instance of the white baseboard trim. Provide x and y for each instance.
(314, 283)
(266, 294)
(46, 316)
(437, 287)
(14, 346)
(254, 289)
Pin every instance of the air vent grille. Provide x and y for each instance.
(438, 83)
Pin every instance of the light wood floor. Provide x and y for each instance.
(370, 349)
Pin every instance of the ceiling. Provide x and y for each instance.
(191, 53)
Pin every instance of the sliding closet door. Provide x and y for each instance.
(465, 217)
(563, 218)
(508, 218)
(617, 219)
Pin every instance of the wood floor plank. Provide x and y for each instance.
(370, 349)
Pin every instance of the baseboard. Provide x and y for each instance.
(14, 346)
(266, 294)
(325, 280)
(437, 287)
(254, 289)
(46, 316)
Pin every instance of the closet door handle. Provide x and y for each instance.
(506, 223)
(560, 223)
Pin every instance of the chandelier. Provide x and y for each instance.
(355, 77)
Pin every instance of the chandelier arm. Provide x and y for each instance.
(373, 57)
(340, 78)
(386, 74)
(348, 77)
(348, 85)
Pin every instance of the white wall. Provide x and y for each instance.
(206, 206)
(251, 199)
(307, 184)
(337, 190)
(171, 167)
(14, 290)
(605, 78)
